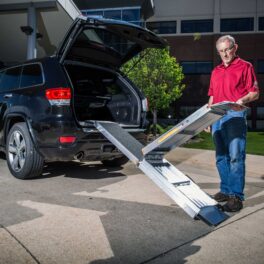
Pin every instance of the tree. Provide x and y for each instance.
(159, 76)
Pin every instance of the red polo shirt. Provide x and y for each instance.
(232, 82)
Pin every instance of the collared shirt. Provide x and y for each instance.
(230, 83)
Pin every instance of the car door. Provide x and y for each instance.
(1, 106)
(10, 80)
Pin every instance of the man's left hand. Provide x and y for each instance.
(238, 107)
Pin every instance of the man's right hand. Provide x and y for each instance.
(208, 129)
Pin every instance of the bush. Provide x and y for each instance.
(159, 128)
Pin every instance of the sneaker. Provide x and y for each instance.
(221, 197)
(234, 204)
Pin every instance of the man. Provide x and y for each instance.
(233, 80)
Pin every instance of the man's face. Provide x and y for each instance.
(227, 51)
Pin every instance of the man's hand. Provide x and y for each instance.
(208, 129)
(250, 97)
(240, 101)
(238, 107)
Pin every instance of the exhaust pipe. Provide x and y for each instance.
(79, 156)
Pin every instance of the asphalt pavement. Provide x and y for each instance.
(87, 213)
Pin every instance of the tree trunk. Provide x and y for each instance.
(155, 120)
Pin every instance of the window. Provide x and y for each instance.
(261, 23)
(237, 24)
(115, 43)
(131, 15)
(162, 27)
(260, 67)
(31, 75)
(260, 113)
(11, 79)
(93, 13)
(197, 67)
(113, 14)
(193, 26)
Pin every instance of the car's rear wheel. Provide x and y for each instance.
(23, 161)
(117, 162)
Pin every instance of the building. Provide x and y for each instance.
(33, 28)
(191, 28)
(136, 11)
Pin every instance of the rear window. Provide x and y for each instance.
(10, 80)
(100, 38)
(31, 75)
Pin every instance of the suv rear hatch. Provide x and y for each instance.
(106, 42)
(92, 53)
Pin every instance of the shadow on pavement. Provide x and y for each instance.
(2, 156)
(79, 170)
(164, 258)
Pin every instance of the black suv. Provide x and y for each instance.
(47, 105)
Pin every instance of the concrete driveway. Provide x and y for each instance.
(87, 213)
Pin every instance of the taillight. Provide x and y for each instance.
(59, 96)
(145, 106)
(67, 139)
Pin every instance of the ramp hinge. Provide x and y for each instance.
(154, 156)
(159, 164)
(182, 183)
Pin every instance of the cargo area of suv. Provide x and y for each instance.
(100, 94)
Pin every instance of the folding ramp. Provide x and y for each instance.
(150, 159)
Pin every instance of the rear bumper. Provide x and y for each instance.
(92, 147)
(79, 151)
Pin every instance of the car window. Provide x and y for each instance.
(104, 39)
(10, 80)
(90, 87)
(112, 87)
(31, 75)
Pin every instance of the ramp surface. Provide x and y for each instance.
(126, 143)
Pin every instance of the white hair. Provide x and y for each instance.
(224, 38)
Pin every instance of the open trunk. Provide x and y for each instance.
(100, 94)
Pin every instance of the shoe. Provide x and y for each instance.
(221, 197)
(234, 204)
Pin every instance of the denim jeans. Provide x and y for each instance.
(229, 136)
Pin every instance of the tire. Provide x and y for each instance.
(117, 162)
(23, 161)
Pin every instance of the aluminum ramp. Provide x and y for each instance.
(150, 159)
(185, 130)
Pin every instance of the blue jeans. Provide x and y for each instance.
(229, 136)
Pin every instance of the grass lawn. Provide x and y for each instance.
(255, 142)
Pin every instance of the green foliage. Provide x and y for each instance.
(255, 142)
(159, 129)
(202, 141)
(158, 75)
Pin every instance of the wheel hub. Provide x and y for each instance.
(17, 151)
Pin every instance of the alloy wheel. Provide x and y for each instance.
(17, 151)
